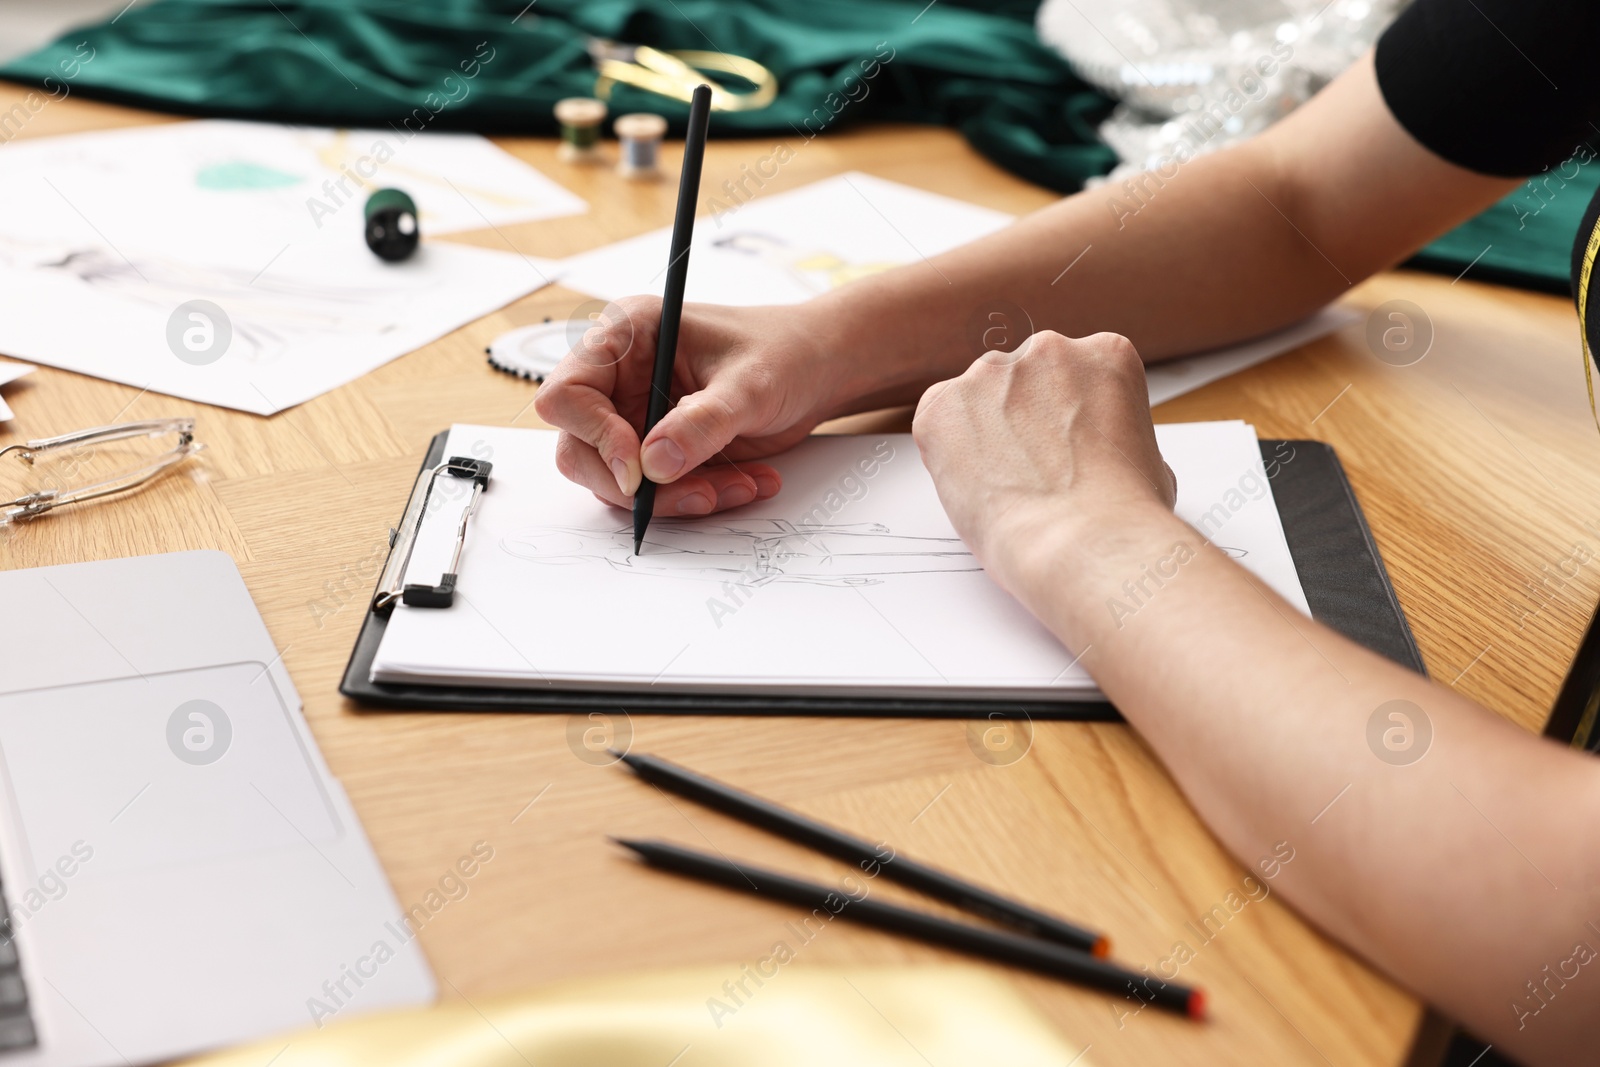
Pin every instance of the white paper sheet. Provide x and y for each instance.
(10, 372)
(1174, 377)
(124, 228)
(851, 581)
(318, 318)
(787, 248)
(223, 191)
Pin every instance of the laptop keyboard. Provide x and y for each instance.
(16, 1024)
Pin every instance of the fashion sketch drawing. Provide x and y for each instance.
(754, 551)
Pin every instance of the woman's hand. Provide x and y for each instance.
(749, 382)
(1044, 449)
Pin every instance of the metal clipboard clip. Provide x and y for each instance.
(392, 586)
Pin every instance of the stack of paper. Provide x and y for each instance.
(850, 582)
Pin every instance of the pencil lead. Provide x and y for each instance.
(625, 843)
(638, 543)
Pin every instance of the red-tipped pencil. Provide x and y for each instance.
(999, 946)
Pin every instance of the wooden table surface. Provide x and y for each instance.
(1476, 468)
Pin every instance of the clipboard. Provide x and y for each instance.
(1340, 570)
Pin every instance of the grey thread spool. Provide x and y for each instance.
(640, 135)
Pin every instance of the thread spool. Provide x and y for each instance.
(640, 135)
(580, 118)
(391, 225)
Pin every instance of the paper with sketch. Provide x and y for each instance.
(788, 247)
(216, 189)
(10, 372)
(850, 582)
(126, 230)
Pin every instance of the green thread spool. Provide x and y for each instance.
(580, 118)
(581, 136)
(391, 225)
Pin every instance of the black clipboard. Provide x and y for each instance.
(1340, 569)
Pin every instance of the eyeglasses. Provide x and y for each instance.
(80, 447)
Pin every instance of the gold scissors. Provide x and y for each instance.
(675, 74)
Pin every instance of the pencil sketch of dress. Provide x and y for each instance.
(268, 314)
(750, 552)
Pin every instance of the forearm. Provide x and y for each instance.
(1383, 848)
(1164, 274)
(1218, 249)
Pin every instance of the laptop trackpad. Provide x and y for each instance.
(160, 770)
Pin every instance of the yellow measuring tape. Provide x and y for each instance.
(1583, 315)
(1591, 710)
(1585, 727)
(675, 74)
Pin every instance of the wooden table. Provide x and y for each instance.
(1476, 468)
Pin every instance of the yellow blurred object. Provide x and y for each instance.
(675, 74)
(810, 1017)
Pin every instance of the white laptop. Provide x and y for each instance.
(181, 870)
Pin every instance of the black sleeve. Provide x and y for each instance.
(1504, 87)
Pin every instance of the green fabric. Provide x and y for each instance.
(498, 66)
(377, 62)
(1528, 235)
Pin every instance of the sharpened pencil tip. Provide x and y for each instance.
(624, 842)
(638, 543)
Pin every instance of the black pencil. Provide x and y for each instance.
(840, 845)
(694, 154)
(999, 946)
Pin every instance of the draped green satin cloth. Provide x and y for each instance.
(499, 66)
